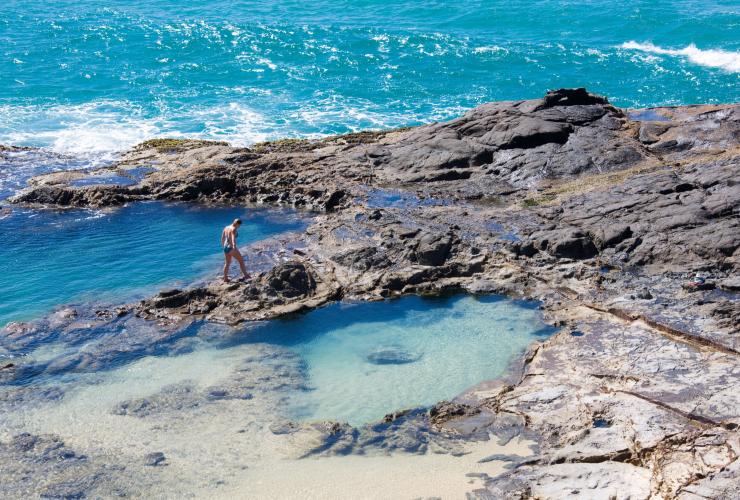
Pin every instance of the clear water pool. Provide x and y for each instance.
(366, 360)
(50, 258)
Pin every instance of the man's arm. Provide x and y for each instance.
(222, 238)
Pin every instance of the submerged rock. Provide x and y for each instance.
(155, 459)
(392, 355)
(43, 466)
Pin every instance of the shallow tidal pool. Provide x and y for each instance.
(366, 360)
(212, 402)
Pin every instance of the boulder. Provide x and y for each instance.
(433, 249)
(569, 243)
(290, 279)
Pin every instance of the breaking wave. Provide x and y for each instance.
(713, 58)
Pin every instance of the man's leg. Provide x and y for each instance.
(227, 264)
(240, 260)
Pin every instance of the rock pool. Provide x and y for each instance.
(51, 258)
(365, 360)
(225, 411)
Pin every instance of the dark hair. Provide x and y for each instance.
(237, 222)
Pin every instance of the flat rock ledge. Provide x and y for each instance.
(626, 230)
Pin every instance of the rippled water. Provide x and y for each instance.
(96, 77)
(50, 258)
(351, 362)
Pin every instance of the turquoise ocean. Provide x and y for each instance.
(87, 79)
(94, 77)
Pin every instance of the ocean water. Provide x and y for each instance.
(52, 258)
(91, 78)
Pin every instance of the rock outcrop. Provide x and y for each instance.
(601, 215)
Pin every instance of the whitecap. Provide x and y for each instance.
(267, 63)
(490, 48)
(99, 130)
(712, 58)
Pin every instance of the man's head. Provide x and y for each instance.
(237, 223)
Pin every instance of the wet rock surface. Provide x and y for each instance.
(604, 217)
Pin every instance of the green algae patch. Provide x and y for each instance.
(305, 145)
(169, 144)
(285, 146)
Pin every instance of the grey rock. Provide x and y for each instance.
(291, 279)
(433, 249)
(155, 459)
(730, 284)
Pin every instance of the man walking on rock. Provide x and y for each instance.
(231, 251)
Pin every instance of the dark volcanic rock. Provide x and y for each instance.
(290, 279)
(363, 259)
(445, 410)
(568, 132)
(656, 215)
(571, 97)
(433, 249)
(567, 243)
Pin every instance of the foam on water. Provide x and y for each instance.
(16, 167)
(726, 60)
(97, 130)
(97, 77)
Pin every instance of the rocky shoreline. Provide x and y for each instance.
(604, 215)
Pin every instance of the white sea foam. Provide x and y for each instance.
(101, 129)
(713, 58)
(92, 128)
(489, 49)
(98, 131)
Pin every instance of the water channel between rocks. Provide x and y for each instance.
(50, 258)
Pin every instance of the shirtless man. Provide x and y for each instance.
(231, 251)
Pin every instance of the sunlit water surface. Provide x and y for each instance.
(95, 77)
(51, 258)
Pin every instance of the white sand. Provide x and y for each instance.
(372, 477)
